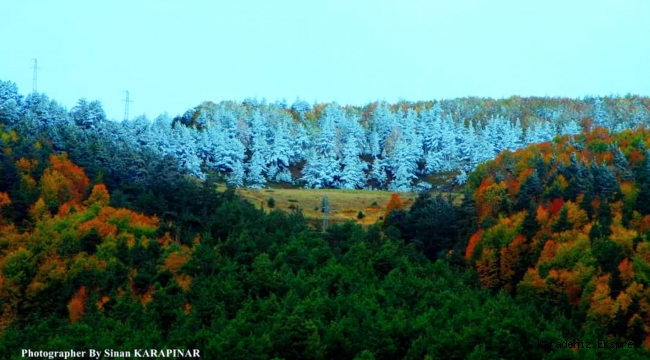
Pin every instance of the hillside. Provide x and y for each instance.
(106, 243)
(80, 272)
(567, 224)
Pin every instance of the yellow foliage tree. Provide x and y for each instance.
(624, 237)
(575, 215)
(99, 195)
(601, 301)
(26, 166)
(38, 210)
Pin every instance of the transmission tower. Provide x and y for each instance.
(325, 210)
(126, 105)
(35, 67)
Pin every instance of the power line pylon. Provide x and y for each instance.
(126, 105)
(35, 67)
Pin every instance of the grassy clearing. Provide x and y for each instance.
(344, 204)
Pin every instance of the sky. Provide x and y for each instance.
(172, 55)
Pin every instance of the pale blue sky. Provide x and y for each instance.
(172, 55)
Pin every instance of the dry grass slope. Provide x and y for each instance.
(344, 204)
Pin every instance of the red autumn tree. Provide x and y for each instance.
(473, 241)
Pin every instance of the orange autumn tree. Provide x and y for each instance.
(510, 261)
(63, 182)
(174, 262)
(4, 199)
(488, 269)
(77, 304)
(395, 203)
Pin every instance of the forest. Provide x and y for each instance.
(398, 147)
(113, 235)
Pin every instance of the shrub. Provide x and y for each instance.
(270, 202)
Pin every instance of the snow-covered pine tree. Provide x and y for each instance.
(461, 178)
(435, 162)
(88, 114)
(433, 133)
(621, 165)
(404, 164)
(256, 178)
(373, 148)
(300, 141)
(257, 167)
(639, 115)
(431, 120)
(601, 115)
(222, 148)
(322, 167)
(412, 133)
(571, 128)
(280, 153)
(10, 102)
(452, 131)
(301, 108)
(37, 113)
(383, 122)
(467, 149)
(183, 148)
(539, 132)
(403, 167)
(484, 150)
(160, 130)
(237, 174)
(515, 135)
(351, 126)
(604, 179)
(378, 170)
(352, 172)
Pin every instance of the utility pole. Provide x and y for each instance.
(35, 67)
(126, 107)
(325, 211)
